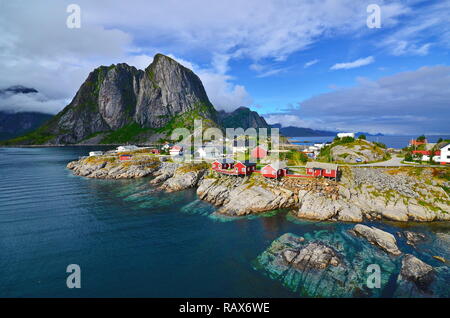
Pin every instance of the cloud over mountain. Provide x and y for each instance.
(402, 103)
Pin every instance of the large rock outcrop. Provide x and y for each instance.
(375, 193)
(240, 196)
(358, 150)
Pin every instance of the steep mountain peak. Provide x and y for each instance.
(164, 96)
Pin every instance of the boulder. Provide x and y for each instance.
(314, 255)
(316, 206)
(377, 237)
(350, 213)
(412, 238)
(417, 272)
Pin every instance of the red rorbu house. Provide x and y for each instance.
(244, 167)
(426, 152)
(321, 169)
(259, 152)
(125, 157)
(223, 164)
(274, 170)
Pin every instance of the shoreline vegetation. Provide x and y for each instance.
(399, 194)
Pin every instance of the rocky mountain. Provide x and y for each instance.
(242, 117)
(12, 123)
(16, 124)
(292, 131)
(120, 103)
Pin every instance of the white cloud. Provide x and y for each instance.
(287, 120)
(310, 63)
(404, 103)
(358, 63)
(222, 92)
(35, 102)
(418, 27)
(37, 50)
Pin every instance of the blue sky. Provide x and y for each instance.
(310, 63)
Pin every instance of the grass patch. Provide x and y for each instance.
(124, 134)
(193, 167)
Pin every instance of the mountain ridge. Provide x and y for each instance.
(122, 98)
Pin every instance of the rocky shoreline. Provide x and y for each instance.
(361, 194)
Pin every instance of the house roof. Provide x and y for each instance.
(322, 165)
(445, 145)
(278, 165)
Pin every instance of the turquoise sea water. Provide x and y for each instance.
(131, 240)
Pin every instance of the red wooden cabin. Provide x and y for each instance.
(274, 170)
(426, 152)
(155, 151)
(321, 169)
(125, 157)
(223, 164)
(259, 152)
(245, 167)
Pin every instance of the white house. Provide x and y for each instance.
(208, 152)
(127, 148)
(95, 153)
(342, 135)
(445, 155)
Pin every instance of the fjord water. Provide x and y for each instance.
(129, 240)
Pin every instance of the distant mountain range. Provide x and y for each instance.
(13, 124)
(292, 131)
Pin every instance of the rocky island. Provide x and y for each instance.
(395, 194)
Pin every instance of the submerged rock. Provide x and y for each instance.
(382, 239)
(415, 276)
(412, 238)
(324, 264)
(314, 255)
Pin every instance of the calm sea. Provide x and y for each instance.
(128, 239)
(390, 141)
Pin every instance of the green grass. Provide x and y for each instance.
(124, 134)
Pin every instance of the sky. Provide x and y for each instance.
(313, 64)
